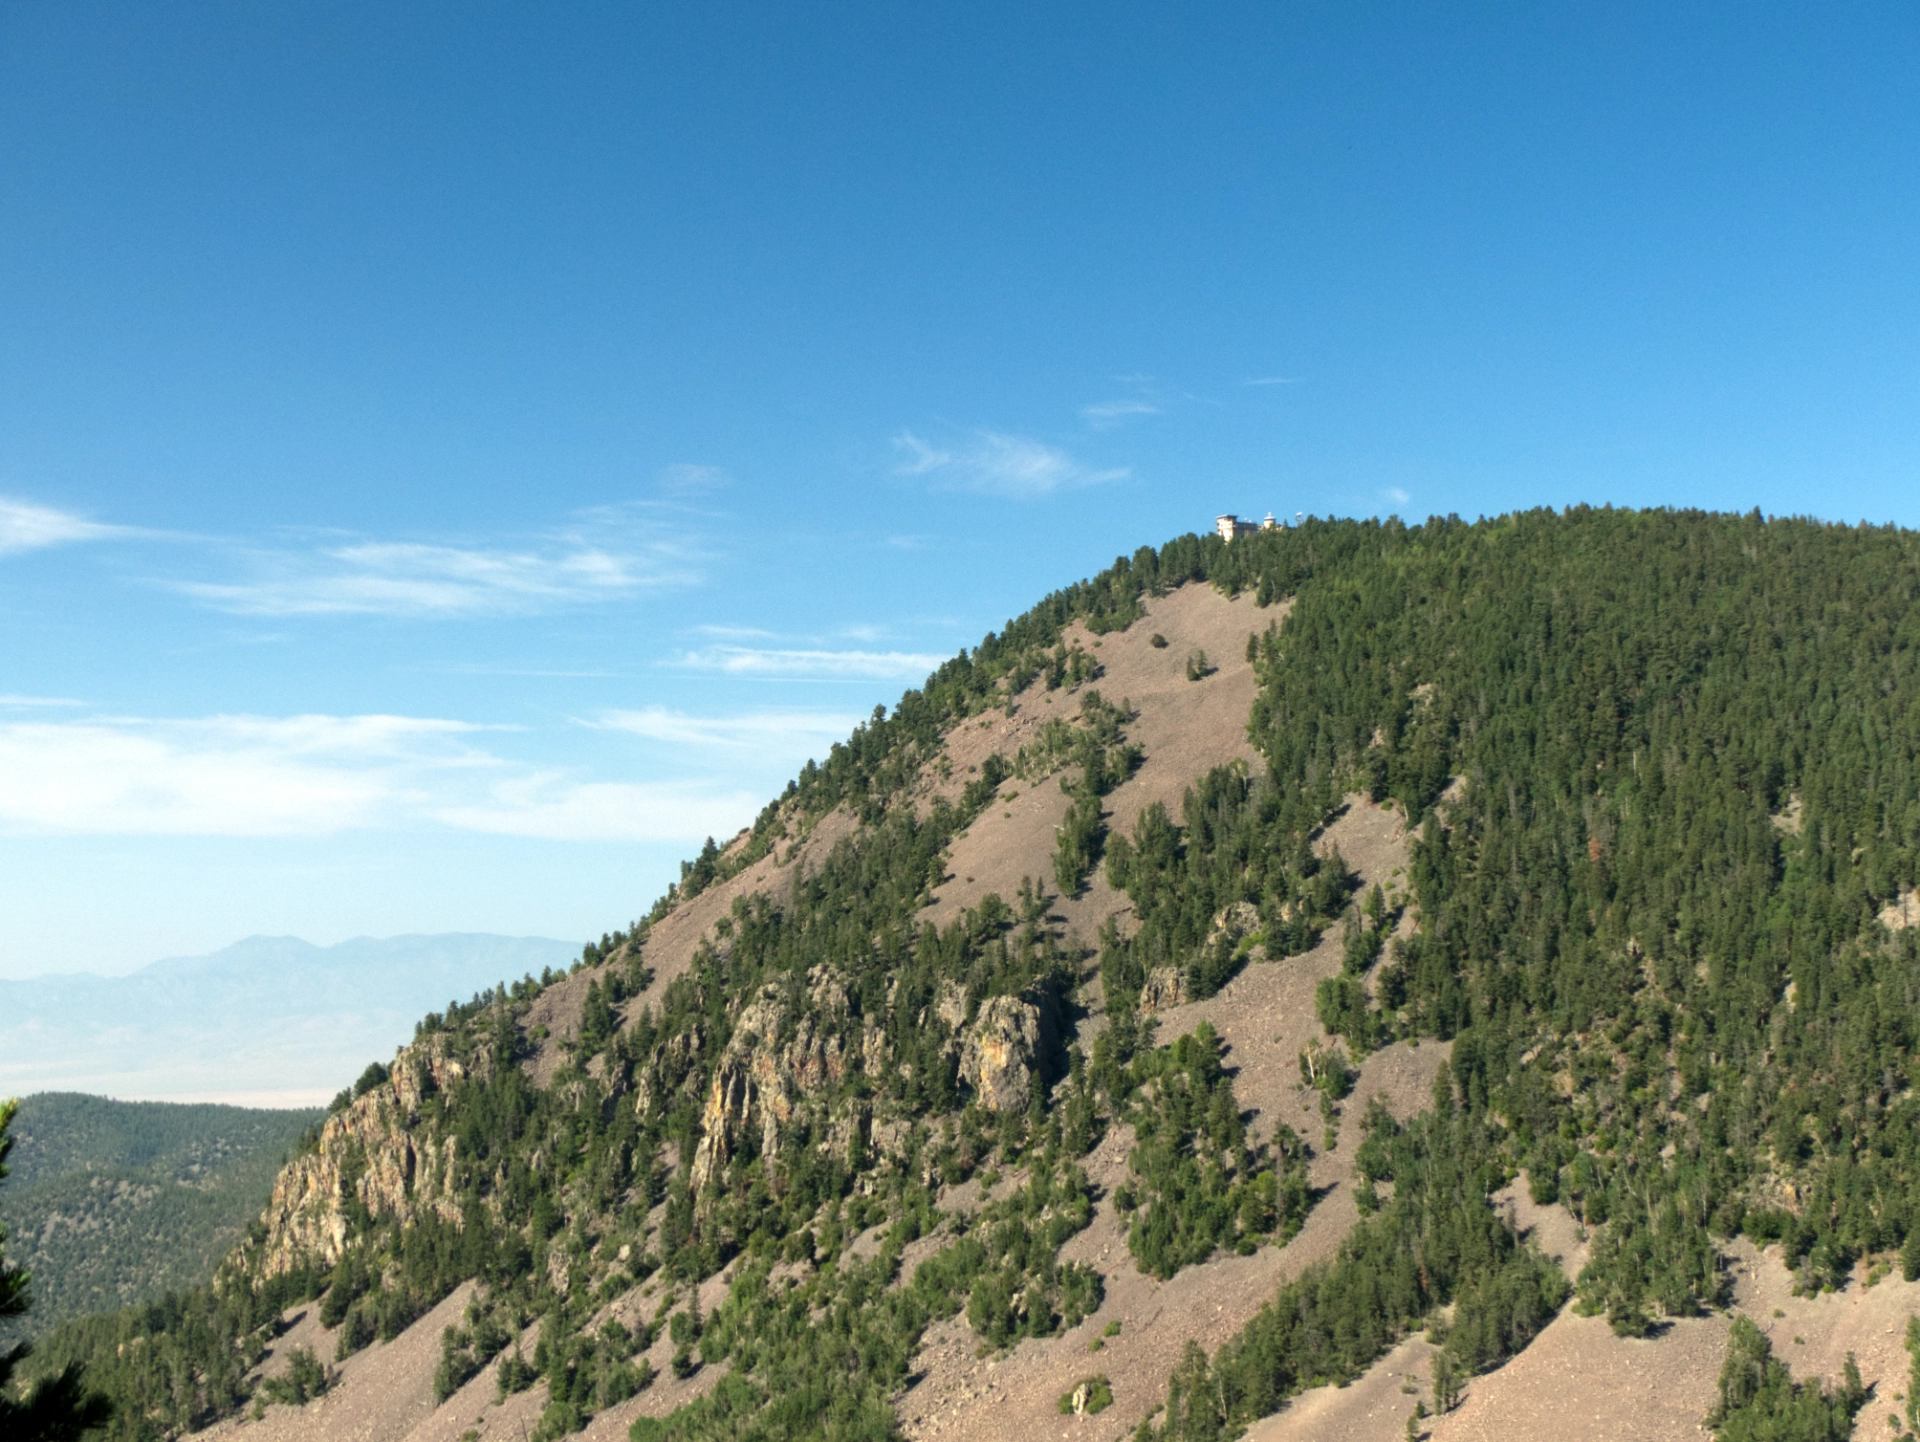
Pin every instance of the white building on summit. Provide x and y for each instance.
(1231, 527)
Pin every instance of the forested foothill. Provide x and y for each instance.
(112, 1202)
(1662, 772)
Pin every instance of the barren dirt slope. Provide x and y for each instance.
(1266, 1016)
(382, 1392)
(672, 941)
(1578, 1382)
(1186, 728)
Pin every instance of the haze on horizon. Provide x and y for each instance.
(453, 462)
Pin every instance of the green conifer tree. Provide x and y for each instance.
(55, 1408)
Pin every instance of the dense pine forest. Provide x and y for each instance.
(1663, 775)
(112, 1202)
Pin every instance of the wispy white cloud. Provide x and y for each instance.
(1273, 381)
(413, 579)
(812, 664)
(1398, 496)
(784, 733)
(531, 672)
(553, 808)
(319, 775)
(222, 775)
(921, 458)
(735, 633)
(997, 463)
(25, 526)
(692, 480)
(1104, 415)
(26, 703)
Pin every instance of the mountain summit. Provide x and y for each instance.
(1274, 984)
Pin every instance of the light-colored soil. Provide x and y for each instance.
(1578, 1382)
(478, 1405)
(1265, 1016)
(385, 1393)
(1208, 1303)
(1373, 1408)
(1186, 728)
(1554, 1230)
(382, 1392)
(1266, 1013)
(673, 940)
(1870, 1322)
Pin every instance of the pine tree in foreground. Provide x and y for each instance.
(55, 1408)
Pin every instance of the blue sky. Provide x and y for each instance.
(453, 458)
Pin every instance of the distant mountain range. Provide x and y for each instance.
(269, 1021)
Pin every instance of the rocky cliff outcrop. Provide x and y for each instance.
(1164, 988)
(1231, 923)
(376, 1152)
(787, 1052)
(1000, 1051)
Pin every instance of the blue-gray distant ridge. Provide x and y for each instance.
(271, 1019)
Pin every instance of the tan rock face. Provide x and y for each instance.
(998, 1053)
(1233, 923)
(1164, 988)
(1902, 912)
(782, 1056)
(669, 1071)
(373, 1151)
(951, 1007)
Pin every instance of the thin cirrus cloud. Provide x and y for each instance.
(736, 633)
(419, 580)
(999, 464)
(810, 664)
(773, 733)
(607, 555)
(25, 526)
(551, 807)
(687, 479)
(218, 776)
(1104, 415)
(321, 775)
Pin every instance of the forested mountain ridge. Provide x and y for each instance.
(111, 1202)
(1655, 779)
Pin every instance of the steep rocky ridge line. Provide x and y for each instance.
(1186, 727)
(1265, 1015)
(370, 1152)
